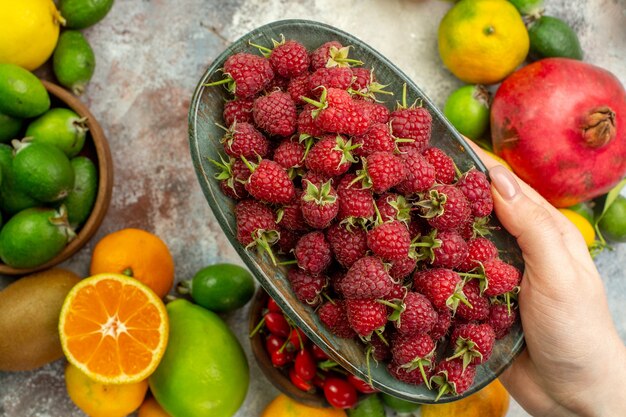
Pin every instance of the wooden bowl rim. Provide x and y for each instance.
(105, 183)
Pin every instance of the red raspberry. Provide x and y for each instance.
(377, 138)
(313, 253)
(500, 277)
(306, 124)
(335, 319)
(331, 54)
(418, 316)
(354, 202)
(379, 350)
(232, 176)
(476, 188)
(288, 240)
(307, 287)
(452, 378)
(364, 84)
(247, 74)
(275, 113)
(412, 123)
(382, 170)
(444, 320)
(239, 110)
(443, 164)
(501, 319)
(242, 139)
(270, 183)
(289, 154)
(420, 173)
(413, 377)
(398, 293)
(377, 112)
(472, 343)
(390, 240)
(445, 207)
(348, 244)
(337, 77)
(402, 268)
(338, 113)
(256, 225)
(480, 250)
(278, 83)
(361, 78)
(394, 207)
(480, 304)
(331, 156)
(366, 316)
(299, 87)
(290, 215)
(319, 204)
(366, 278)
(445, 249)
(336, 276)
(443, 287)
(414, 351)
(289, 59)
(316, 178)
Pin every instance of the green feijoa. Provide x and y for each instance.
(80, 14)
(613, 222)
(42, 171)
(61, 128)
(73, 61)
(398, 404)
(528, 7)
(12, 199)
(79, 201)
(34, 236)
(21, 93)
(9, 127)
(370, 406)
(552, 37)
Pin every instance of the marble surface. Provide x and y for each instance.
(150, 55)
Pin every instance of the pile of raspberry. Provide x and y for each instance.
(387, 234)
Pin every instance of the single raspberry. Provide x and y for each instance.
(336, 275)
(366, 316)
(270, 183)
(306, 124)
(397, 294)
(445, 207)
(349, 244)
(443, 287)
(418, 226)
(299, 87)
(367, 278)
(402, 268)
(246, 74)
(307, 287)
(289, 154)
(501, 319)
(390, 240)
(411, 123)
(479, 250)
(377, 138)
(238, 110)
(475, 226)
(277, 83)
(313, 252)
(394, 207)
(332, 155)
(232, 175)
(414, 351)
(445, 172)
(337, 77)
(290, 215)
(442, 326)
(499, 277)
(476, 188)
(355, 203)
(242, 139)
(256, 226)
(319, 204)
(413, 377)
(332, 54)
(382, 171)
(377, 112)
(364, 85)
(288, 58)
(480, 304)
(379, 350)
(361, 78)
(288, 240)
(452, 378)
(337, 112)
(333, 315)
(275, 113)
(473, 343)
(417, 315)
(420, 173)
(316, 178)
(446, 249)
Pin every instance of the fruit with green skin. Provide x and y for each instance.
(370, 406)
(220, 287)
(574, 149)
(398, 404)
(552, 37)
(61, 128)
(80, 14)
(42, 171)
(584, 210)
(82, 197)
(528, 7)
(204, 371)
(9, 127)
(468, 110)
(12, 200)
(21, 93)
(73, 61)
(34, 236)
(613, 222)
(29, 318)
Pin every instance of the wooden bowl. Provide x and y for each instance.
(278, 377)
(97, 149)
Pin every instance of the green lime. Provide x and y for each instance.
(34, 236)
(220, 287)
(552, 37)
(42, 171)
(204, 371)
(584, 210)
(528, 7)
(370, 406)
(80, 14)
(73, 61)
(12, 199)
(79, 201)
(21, 93)
(61, 128)
(399, 405)
(9, 127)
(613, 222)
(468, 110)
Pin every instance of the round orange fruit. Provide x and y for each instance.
(283, 406)
(151, 408)
(113, 328)
(138, 254)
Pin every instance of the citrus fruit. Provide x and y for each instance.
(103, 400)
(34, 236)
(61, 128)
(220, 287)
(398, 404)
(613, 222)
(83, 13)
(204, 371)
(80, 200)
(491, 401)
(12, 200)
(552, 37)
(582, 224)
(151, 408)
(283, 406)
(113, 328)
(9, 127)
(74, 61)
(21, 93)
(152, 264)
(482, 41)
(467, 108)
(584, 210)
(28, 31)
(528, 7)
(369, 406)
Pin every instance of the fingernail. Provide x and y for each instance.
(504, 182)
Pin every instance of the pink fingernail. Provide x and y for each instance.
(504, 182)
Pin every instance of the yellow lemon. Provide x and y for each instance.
(482, 41)
(29, 30)
(582, 224)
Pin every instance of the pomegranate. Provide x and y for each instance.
(561, 125)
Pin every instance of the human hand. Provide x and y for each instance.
(574, 362)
